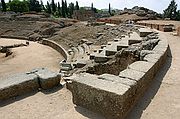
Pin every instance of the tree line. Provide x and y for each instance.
(56, 9)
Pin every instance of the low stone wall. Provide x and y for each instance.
(114, 96)
(20, 84)
(160, 27)
(57, 47)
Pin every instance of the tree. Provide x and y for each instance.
(92, 7)
(19, 6)
(53, 6)
(59, 9)
(77, 6)
(3, 5)
(63, 9)
(71, 9)
(48, 8)
(178, 15)
(109, 8)
(34, 6)
(42, 6)
(171, 12)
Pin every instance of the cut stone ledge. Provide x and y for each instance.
(18, 84)
(109, 97)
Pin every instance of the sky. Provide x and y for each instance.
(156, 5)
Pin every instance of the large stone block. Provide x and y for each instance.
(143, 32)
(109, 97)
(145, 67)
(154, 58)
(138, 76)
(47, 79)
(18, 84)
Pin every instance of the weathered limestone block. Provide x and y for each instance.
(108, 97)
(145, 67)
(154, 58)
(140, 77)
(143, 32)
(18, 84)
(48, 79)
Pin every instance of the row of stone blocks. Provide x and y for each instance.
(114, 96)
(22, 83)
(161, 27)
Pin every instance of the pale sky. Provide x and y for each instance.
(156, 5)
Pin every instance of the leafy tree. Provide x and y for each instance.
(3, 5)
(63, 9)
(34, 6)
(48, 8)
(71, 9)
(19, 6)
(178, 15)
(171, 12)
(77, 6)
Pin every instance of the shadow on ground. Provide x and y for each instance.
(145, 100)
(18, 98)
(87, 113)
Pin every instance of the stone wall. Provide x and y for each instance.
(114, 96)
(160, 27)
(57, 47)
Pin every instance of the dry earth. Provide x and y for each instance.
(27, 58)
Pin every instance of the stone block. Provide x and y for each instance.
(139, 77)
(154, 58)
(145, 67)
(143, 32)
(18, 84)
(107, 97)
(48, 79)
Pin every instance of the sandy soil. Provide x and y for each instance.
(162, 99)
(53, 104)
(27, 58)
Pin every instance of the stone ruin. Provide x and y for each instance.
(108, 79)
(115, 76)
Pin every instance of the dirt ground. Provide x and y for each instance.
(162, 99)
(27, 58)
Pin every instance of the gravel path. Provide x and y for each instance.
(162, 99)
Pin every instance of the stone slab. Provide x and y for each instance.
(111, 99)
(48, 79)
(143, 32)
(18, 84)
